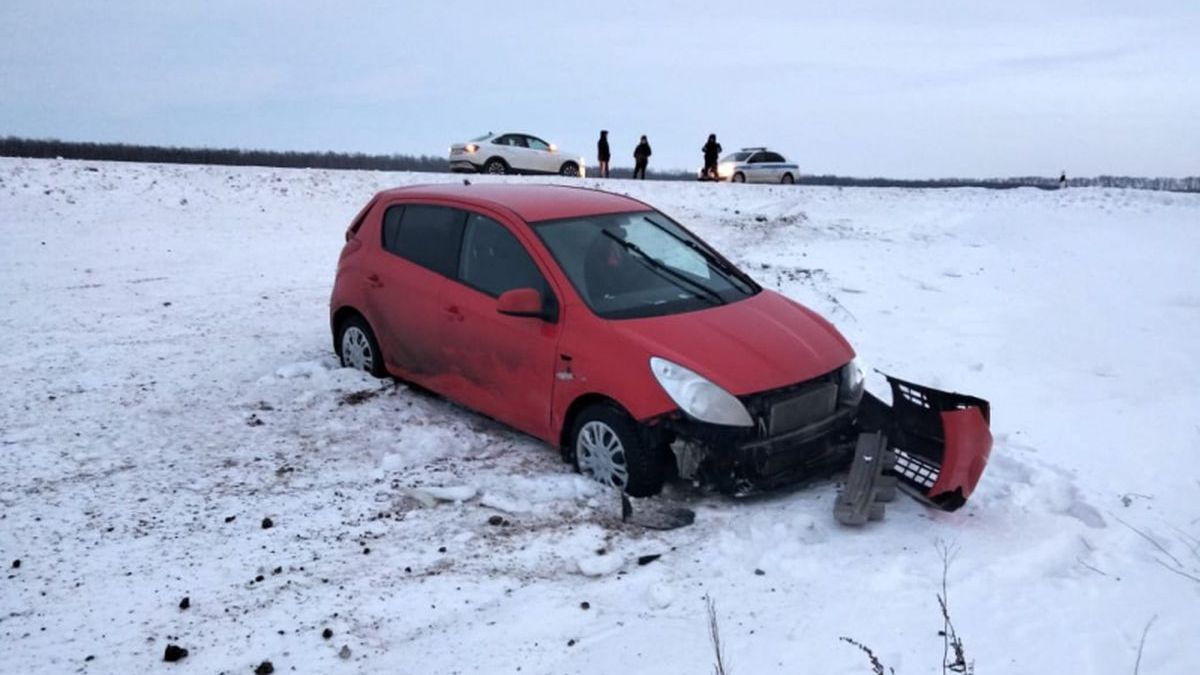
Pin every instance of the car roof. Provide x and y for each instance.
(531, 202)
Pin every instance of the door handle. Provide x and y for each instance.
(453, 312)
(374, 281)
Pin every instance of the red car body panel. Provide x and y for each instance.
(530, 203)
(760, 343)
(968, 445)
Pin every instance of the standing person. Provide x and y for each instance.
(602, 153)
(712, 150)
(641, 157)
(1062, 180)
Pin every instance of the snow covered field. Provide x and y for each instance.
(169, 382)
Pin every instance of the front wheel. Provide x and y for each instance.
(609, 450)
(569, 169)
(787, 179)
(739, 177)
(495, 166)
(358, 348)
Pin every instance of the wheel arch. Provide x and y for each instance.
(577, 406)
(652, 434)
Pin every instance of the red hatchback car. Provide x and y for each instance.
(603, 327)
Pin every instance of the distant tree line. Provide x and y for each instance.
(12, 146)
(123, 152)
(1188, 184)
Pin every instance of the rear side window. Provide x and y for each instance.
(426, 235)
(494, 261)
(511, 139)
(773, 157)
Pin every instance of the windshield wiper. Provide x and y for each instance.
(727, 270)
(666, 272)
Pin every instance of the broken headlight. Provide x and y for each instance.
(697, 396)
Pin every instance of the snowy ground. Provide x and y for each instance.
(169, 383)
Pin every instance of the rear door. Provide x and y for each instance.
(501, 365)
(776, 165)
(515, 151)
(419, 257)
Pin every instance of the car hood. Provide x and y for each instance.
(763, 342)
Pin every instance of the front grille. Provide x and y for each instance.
(809, 405)
(795, 406)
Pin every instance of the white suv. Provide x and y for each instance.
(513, 153)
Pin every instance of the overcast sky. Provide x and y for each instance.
(871, 88)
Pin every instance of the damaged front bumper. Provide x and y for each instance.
(941, 441)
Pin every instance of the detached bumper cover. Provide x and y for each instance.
(941, 439)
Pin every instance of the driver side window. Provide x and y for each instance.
(494, 261)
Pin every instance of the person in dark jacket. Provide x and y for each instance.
(641, 157)
(602, 153)
(712, 150)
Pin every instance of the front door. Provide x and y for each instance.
(501, 365)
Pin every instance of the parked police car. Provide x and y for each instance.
(756, 165)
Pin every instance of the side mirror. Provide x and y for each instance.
(521, 302)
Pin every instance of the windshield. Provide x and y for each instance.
(481, 138)
(736, 157)
(630, 265)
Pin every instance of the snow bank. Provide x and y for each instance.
(170, 384)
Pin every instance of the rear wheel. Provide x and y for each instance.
(739, 177)
(787, 179)
(609, 450)
(496, 166)
(358, 348)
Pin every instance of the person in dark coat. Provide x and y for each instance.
(602, 153)
(712, 150)
(641, 157)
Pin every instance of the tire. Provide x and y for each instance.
(787, 179)
(495, 166)
(609, 450)
(357, 347)
(569, 169)
(738, 177)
